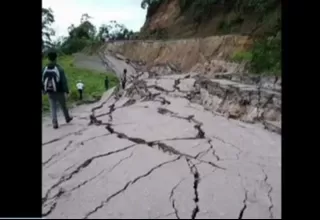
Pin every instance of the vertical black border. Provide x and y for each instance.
(20, 164)
(299, 122)
(285, 84)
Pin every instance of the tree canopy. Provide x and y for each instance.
(81, 36)
(47, 31)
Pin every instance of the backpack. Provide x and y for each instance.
(51, 79)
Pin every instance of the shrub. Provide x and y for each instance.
(266, 56)
(242, 56)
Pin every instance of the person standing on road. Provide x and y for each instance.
(55, 84)
(80, 87)
(124, 78)
(106, 83)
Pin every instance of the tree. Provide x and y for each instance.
(47, 31)
(86, 34)
(104, 32)
(151, 6)
(145, 4)
(85, 17)
(85, 30)
(71, 28)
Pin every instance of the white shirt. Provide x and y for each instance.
(80, 85)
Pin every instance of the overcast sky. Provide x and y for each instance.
(67, 12)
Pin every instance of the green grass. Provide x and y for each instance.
(242, 56)
(93, 81)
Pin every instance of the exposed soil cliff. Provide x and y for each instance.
(186, 18)
(186, 54)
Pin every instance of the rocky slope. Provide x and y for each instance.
(217, 84)
(248, 98)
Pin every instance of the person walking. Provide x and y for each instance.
(106, 83)
(55, 84)
(124, 78)
(80, 87)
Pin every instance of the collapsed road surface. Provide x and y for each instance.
(150, 151)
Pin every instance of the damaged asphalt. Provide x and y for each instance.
(151, 151)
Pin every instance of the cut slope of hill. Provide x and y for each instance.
(202, 18)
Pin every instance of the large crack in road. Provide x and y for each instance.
(214, 139)
(196, 176)
(269, 191)
(161, 146)
(172, 199)
(82, 166)
(103, 203)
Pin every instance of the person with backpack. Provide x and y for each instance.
(80, 87)
(54, 83)
(124, 78)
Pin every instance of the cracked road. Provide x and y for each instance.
(150, 152)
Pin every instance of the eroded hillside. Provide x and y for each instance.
(189, 34)
(199, 18)
(185, 54)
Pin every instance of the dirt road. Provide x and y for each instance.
(152, 153)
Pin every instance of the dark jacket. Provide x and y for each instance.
(106, 83)
(63, 83)
(124, 77)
